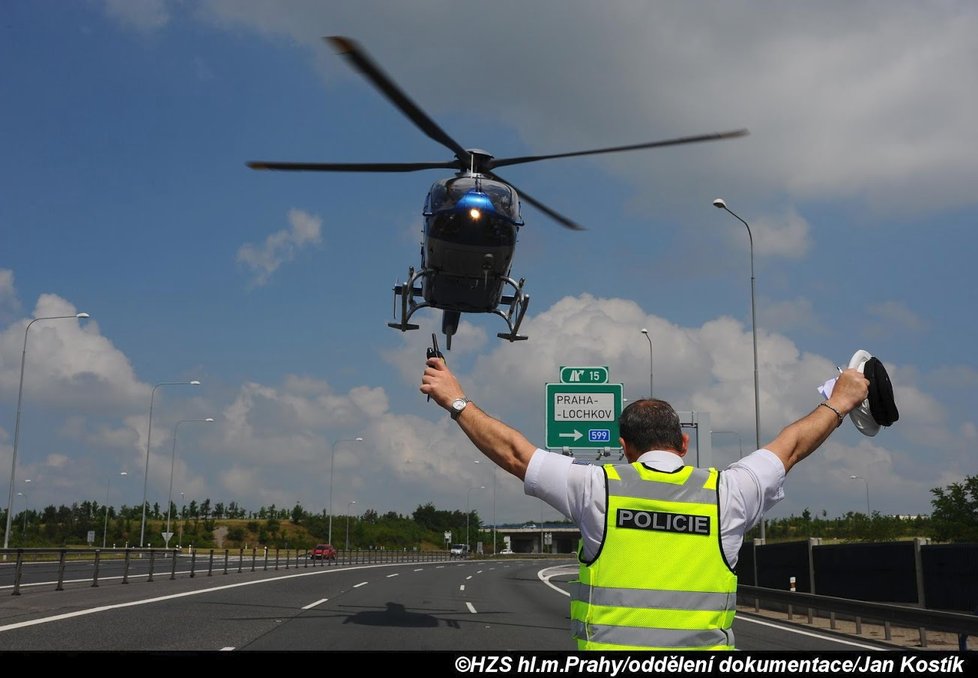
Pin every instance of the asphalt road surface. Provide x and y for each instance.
(472, 605)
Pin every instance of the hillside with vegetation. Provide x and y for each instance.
(205, 525)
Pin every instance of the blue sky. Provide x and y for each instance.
(126, 127)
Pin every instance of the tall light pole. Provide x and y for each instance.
(105, 529)
(26, 504)
(348, 524)
(20, 394)
(494, 469)
(332, 459)
(149, 432)
(646, 333)
(23, 530)
(468, 513)
(173, 458)
(868, 513)
(720, 204)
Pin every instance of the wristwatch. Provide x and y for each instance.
(458, 405)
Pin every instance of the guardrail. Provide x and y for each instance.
(885, 614)
(199, 562)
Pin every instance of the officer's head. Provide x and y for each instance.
(651, 424)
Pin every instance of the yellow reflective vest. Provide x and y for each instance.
(659, 580)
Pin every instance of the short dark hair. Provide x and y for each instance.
(651, 424)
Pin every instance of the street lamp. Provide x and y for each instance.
(720, 204)
(105, 530)
(468, 514)
(173, 458)
(23, 530)
(647, 336)
(494, 469)
(332, 458)
(26, 504)
(348, 524)
(149, 431)
(739, 439)
(868, 513)
(20, 393)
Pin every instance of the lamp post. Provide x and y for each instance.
(739, 439)
(105, 529)
(332, 459)
(647, 336)
(26, 504)
(868, 513)
(173, 458)
(468, 514)
(494, 469)
(720, 204)
(348, 524)
(23, 530)
(20, 394)
(149, 431)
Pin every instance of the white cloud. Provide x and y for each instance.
(274, 444)
(65, 360)
(840, 98)
(894, 316)
(9, 303)
(143, 15)
(790, 315)
(785, 235)
(280, 247)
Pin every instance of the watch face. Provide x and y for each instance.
(459, 405)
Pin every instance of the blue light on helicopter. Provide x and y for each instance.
(475, 202)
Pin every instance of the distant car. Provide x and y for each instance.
(458, 551)
(323, 552)
(506, 552)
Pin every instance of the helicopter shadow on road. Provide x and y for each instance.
(398, 615)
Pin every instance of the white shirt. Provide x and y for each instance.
(748, 488)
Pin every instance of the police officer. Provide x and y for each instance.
(659, 539)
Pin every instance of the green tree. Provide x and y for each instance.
(955, 515)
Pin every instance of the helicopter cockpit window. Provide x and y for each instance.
(504, 200)
(444, 195)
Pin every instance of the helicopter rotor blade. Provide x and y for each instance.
(367, 67)
(556, 216)
(505, 162)
(352, 166)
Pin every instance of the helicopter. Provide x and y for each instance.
(471, 219)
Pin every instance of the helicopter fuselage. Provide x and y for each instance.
(470, 234)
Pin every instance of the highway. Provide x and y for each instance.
(472, 605)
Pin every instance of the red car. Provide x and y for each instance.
(323, 552)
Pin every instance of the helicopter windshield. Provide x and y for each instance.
(445, 195)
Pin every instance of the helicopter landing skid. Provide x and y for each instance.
(407, 292)
(517, 308)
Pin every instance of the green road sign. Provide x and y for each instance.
(584, 375)
(583, 415)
